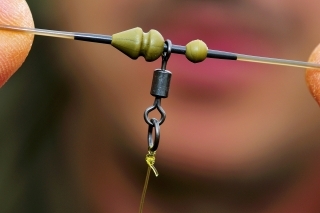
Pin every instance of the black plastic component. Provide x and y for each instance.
(97, 38)
(178, 49)
(221, 55)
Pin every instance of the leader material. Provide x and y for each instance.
(151, 45)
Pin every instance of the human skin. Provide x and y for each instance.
(313, 75)
(14, 46)
(238, 137)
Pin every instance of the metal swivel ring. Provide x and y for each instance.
(153, 143)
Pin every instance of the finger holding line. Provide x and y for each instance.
(14, 47)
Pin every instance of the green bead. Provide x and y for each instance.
(196, 51)
(135, 43)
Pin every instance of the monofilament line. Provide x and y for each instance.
(42, 32)
(97, 38)
(275, 61)
(177, 49)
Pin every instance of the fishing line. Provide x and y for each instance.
(196, 51)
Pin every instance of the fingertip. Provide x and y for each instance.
(14, 47)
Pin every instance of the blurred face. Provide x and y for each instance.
(224, 119)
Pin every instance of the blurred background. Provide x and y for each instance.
(238, 137)
(33, 175)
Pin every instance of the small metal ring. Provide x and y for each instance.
(166, 54)
(153, 143)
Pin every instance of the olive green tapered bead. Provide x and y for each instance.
(135, 43)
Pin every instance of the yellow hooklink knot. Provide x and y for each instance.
(151, 159)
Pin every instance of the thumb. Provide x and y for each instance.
(313, 75)
(14, 47)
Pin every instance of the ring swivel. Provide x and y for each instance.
(159, 89)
